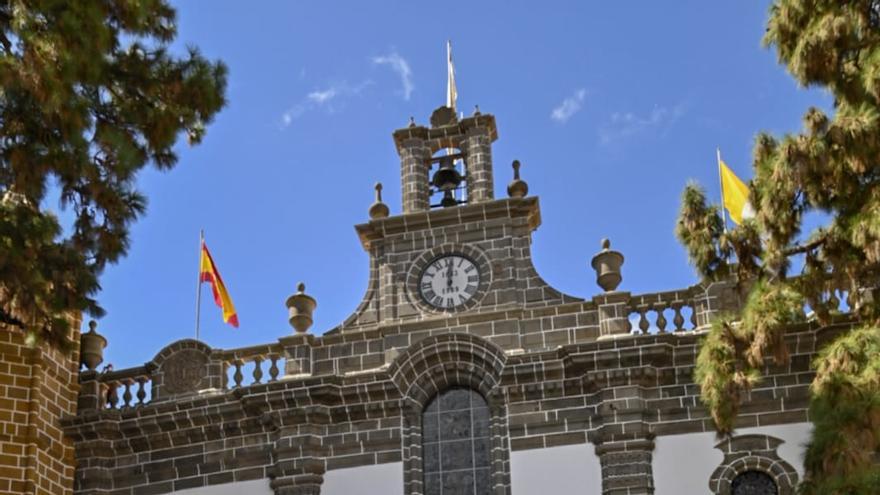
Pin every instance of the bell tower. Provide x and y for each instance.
(455, 249)
(448, 164)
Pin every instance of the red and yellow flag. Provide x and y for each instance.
(208, 273)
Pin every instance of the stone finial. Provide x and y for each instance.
(301, 306)
(477, 111)
(443, 116)
(412, 121)
(378, 209)
(517, 188)
(607, 264)
(92, 345)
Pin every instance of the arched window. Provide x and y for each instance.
(753, 483)
(456, 445)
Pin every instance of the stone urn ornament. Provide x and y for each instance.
(607, 264)
(91, 347)
(517, 188)
(301, 306)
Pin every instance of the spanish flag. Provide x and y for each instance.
(208, 273)
(734, 194)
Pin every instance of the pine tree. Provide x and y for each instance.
(833, 167)
(89, 96)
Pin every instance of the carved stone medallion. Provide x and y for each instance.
(184, 371)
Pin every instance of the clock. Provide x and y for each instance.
(449, 281)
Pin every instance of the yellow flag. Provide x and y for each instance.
(735, 193)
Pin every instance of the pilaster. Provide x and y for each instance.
(415, 156)
(716, 299)
(298, 353)
(478, 150)
(613, 308)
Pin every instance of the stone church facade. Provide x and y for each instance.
(460, 372)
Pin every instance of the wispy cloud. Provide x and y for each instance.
(320, 97)
(399, 65)
(329, 99)
(569, 106)
(625, 124)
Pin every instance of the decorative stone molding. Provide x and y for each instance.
(752, 453)
(436, 363)
(185, 368)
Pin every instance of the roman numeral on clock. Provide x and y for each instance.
(449, 281)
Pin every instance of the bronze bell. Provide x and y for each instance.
(446, 178)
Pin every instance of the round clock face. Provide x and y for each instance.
(449, 281)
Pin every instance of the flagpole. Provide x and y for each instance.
(199, 283)
(721, 183)
(451, 96)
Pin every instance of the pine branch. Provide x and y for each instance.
(804, 248)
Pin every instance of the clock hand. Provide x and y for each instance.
(449, 276)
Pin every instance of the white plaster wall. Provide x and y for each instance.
(566, 469)
(684, 463)
(381, 479)
(253, 487)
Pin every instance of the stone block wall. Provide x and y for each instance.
(616, 395)
(38, 386)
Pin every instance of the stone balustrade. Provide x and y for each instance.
(188, 367)
(677, 307)
(125, 388)
(263, 364)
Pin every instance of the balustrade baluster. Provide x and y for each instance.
(693, 317)
(237, 377)
(258, 369)
(643, 319)
(112, 395)
(661, 319)
(677, 319)
(126, 395)
(141, 391)
(833, 301)
(273, 370)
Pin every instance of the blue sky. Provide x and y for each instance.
(610, 106)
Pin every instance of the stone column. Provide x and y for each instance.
(613, 308)
(478, 153)
(415, 158)
(626, 467)
(299, 456)
(624, 443)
